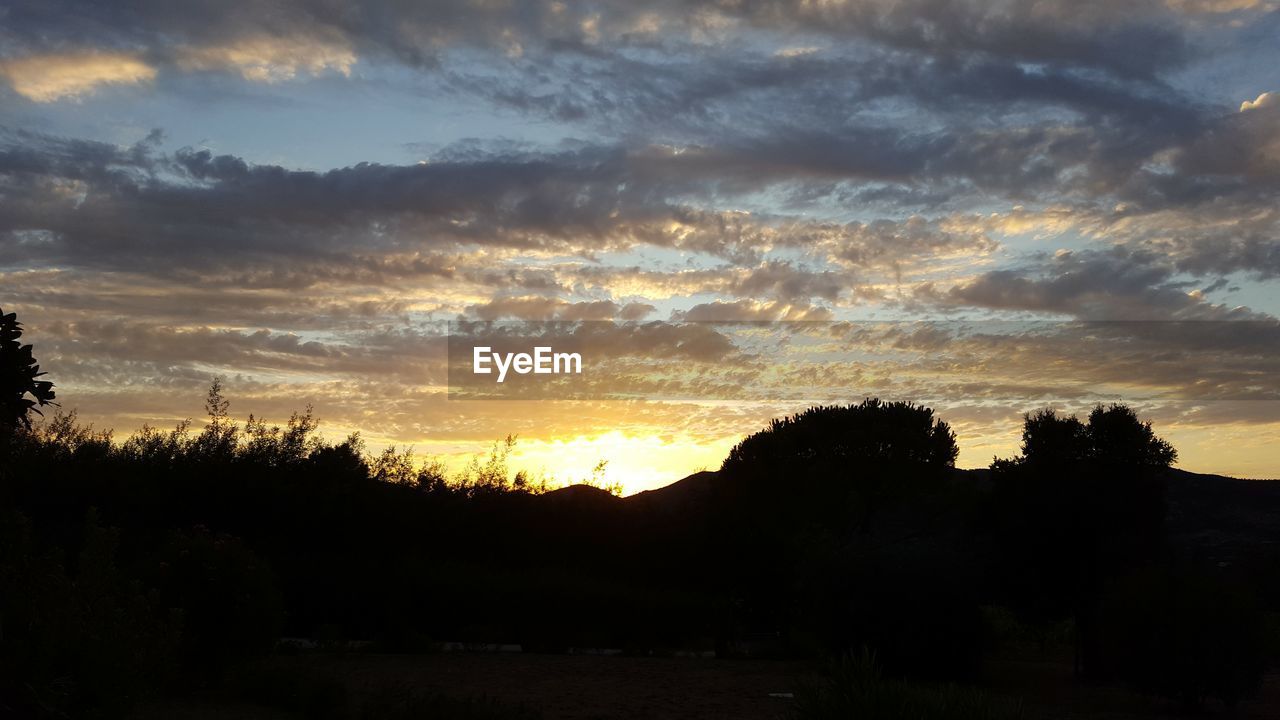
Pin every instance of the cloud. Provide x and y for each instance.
(541, 308)
(270, 59)
(1113, 284)
(1134, 40)
(1266, 99)
(1218, 6)
(94, 204)
(749, 311)
(53, 77)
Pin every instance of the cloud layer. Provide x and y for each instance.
(762, 161)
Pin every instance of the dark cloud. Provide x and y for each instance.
(1114, 284)
(1132, 38)
(93, 205)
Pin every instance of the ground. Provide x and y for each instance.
(567, 687)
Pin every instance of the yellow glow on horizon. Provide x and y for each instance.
(640, 462)
(636, 460)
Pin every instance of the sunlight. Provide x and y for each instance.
(639, 462)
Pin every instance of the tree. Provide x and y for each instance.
(220, 438)
(21, 392)
(842, 464)
(1113, 436)
(1082, 505)
(827, 526)
(1117, 437)
(1049, 439)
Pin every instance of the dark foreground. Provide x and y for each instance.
(569, 687)
(170, 565)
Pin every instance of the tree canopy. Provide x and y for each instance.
(21, 390)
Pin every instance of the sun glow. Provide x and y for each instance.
(639, 462)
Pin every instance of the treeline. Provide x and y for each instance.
(165, 560)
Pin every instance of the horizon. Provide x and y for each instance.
(594, 477)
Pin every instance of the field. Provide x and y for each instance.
(580, 687)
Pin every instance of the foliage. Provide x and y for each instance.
(323, 694)
(831, 525)
(1008, 634)
(599, 481)
(839, 465)
(252, 531)
(883, 433)
(231, 605)
(487, 475)
(86, 641)
(917, 611)
(1113, 436)
(856, 687)
(1184, 634)
(1083, 504)
(21, 390)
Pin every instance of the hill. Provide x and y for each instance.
(1224, 520)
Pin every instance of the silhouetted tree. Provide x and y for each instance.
(218, 442)
(21, 392)
(840, 464)
(1082, 504)
(825, 516)
(1117, 438)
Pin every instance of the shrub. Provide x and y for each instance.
(323, 694)
(1184, 634)
(919, 616)
(855, 687)
(88, 643)
(232, 608)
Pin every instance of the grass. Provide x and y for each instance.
(855, 687)
(316, 694)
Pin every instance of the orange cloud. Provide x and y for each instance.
(1266, 99)
(49, 78)
(271, 59)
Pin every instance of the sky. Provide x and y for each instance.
(736, 209)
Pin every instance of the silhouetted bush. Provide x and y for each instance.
(82, 643)
(855, 687)
(324, 694)
(409, 704)
(1184, 634)
(1006, 633)
(917, 613)
(231, 605)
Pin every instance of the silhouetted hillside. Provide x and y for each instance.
(834, 530)
(683, 498)
(1228, 523)
(588, 495)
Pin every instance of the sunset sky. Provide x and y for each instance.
(988, 207)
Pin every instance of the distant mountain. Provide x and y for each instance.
(579, 494)
(686, 493)
(1221, 519)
